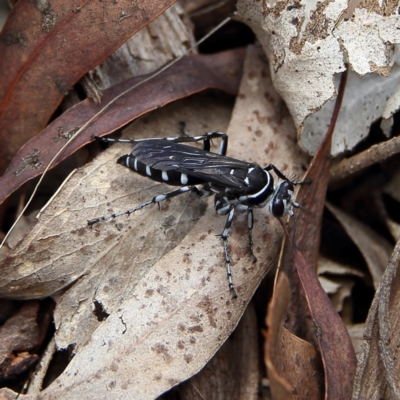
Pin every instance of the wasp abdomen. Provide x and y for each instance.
(171, 177)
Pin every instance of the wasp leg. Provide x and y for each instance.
(186, 139)
(224, 237)
(206, 142)
(250, 226)
(207, 139)
(154, 200)
(112, 140)
(203, 192)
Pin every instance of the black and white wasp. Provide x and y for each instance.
(237, 185)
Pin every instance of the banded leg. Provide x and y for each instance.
(224, 237)
(185, 139)
(182, 128)
(283, 176)
(250, 226)
(203, 192)
(207, 142)
(294, 204)
(154, 200)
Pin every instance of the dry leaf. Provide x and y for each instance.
(164, 329)
(19, 336)
(393, 186)
(337, 290)
(374, 248)
(310, 314)
(379, 362)
(167, 37)
(356, 332)
(293, 364)
(45, 48)
(125, 254)
(337, 280)
(307, 45)
(326, 266)
(233, 372)
(190, 75)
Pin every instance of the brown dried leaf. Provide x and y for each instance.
(188, 76)
(337, 280)
(393, 187)
(61, 248)
(310, 314)
(337, 290)
(330, 267)
(311, 197)
(308, 44)
(374, 248)
(24, 225)
(42, 368)
(379, 362)
(233, 372)
(356, 332)
(334, 343)
(165, 38)
(164, 329)
(151, 234)
(18, 335)
(47, 47)
(293, 364)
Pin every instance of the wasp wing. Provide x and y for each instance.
(209, 167)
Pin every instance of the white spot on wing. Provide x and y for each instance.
(164, 176)
(148, 170)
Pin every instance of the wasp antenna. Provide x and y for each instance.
(306, 181)
(300, 207)
(293, 178)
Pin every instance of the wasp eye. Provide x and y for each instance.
(277, 208)
(281, 201)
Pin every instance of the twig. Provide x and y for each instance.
(377, 153)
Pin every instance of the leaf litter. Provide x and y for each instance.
(26, 42)
(94, 305)
(184, 298)
(307, 46)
